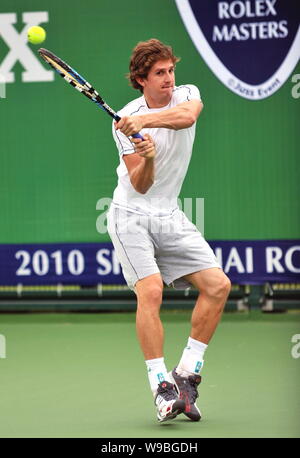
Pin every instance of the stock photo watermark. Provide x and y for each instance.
(296, 88)
(295, 352)
(2, 87)
(2, 346)
(144, 209)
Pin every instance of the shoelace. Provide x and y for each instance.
(166, 390)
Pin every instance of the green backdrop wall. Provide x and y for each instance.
(58, 157)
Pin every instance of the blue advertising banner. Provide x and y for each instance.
(245, 262)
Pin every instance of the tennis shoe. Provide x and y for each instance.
(188, 389)
(167, 402)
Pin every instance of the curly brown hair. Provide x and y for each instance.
(144, 55)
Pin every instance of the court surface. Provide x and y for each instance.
(83, 375)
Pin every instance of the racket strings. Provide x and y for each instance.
(70, 77)
(75, 80)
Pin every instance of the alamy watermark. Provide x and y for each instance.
(2, 346)
(296, 348)
(296, 88)
(2, 87)
(153, 214)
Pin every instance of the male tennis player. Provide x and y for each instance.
(154, 241)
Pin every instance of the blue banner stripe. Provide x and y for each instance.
(245, 262)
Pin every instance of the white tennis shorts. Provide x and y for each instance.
(169, 245)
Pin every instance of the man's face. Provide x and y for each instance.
(160, 80)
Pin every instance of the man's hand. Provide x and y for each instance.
(129, 125)
(145, 148)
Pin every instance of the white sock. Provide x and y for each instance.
(192, 358)
(157, 372)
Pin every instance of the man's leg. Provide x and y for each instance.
(149, 327)
(150, 334)
(214, 287)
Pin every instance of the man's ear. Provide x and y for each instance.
(140, 81)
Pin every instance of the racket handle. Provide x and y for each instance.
(117, 118)
(138, 136)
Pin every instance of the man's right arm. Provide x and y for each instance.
(181, 116)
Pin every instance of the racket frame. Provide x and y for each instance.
(80, 83)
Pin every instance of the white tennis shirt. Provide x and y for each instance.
(173, 154)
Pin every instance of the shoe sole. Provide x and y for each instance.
(179, 408)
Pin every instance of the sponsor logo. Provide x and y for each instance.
(19, 49)
(160, 377)
(252, 46)
(198, 367)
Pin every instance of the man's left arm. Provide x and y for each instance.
(182, 116)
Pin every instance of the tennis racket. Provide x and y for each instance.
(78, 82)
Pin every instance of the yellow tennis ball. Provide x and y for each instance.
(36, 34)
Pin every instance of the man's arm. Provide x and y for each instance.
(140, 165)
(182, 116)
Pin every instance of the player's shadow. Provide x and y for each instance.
(185, 420)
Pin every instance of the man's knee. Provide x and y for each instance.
(149, 291)
(218, 289)
(153, 295)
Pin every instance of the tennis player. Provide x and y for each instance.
(154, 241)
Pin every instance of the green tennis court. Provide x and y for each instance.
(83, 375)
